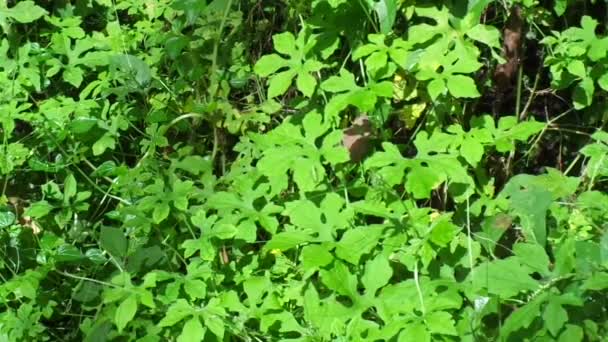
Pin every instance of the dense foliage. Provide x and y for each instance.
(283, 170)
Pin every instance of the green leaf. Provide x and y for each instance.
(440, 322)
(105, 142)
(531, 205)
(523, 316)
(284, 43)
(443, 232)
(192, 8)
(533, 256)
(472, 150)
(573, 333)
(193, 331)
(175, 44)
(24, 12)
(486, 34)
(279, 83)
(435, 88)
(39, 209)
(386, 10)
(378, 272)
(176, 312)
(577, 68)
(161, 212)
(287, 240)
(269, 64)
(255, 287)
(414, 332)
(73, 75)
(505, 278)
(422, 180)
(82, 125)
(356, 242)
(583, 93)
(224, 231)
(7, 218)
(597, 282)
(113, 241)
(603, 81)
(215, 324)
(555, 316)
(462, 86)
(69, 188)
(340, 279)
(315, 256)
(125, 312)
(67, 253)
(306, 83)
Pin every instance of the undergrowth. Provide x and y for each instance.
(283, 170)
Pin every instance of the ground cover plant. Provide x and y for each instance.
(282, 170)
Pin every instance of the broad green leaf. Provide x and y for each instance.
(161, 212)
(472, 150)
(105, 142)
(440, 322)
(279, 83)
(7, 218)
(269, 64)
(193, 331)
(597, 282)
(533, 256)
(462, 86)
(378, 272)
(583, 93)
(573, 333)
(195, 288)
(192, 8)
(414, 332)
(224, 231)
(505, 278)
(577, 68)
(555, 316)
(523, 316)
(560, 7)
(603, 81)
(306, 83)
(176, 312)
(435, 88)
(113, 241)
(69, 188)
(284, 43)
(443, 231)
(68, 253)
(340, 279)
(386, 10)
(24, 12)
(356, 242)
(125, 312)
(531, 205)
(82, 125)
(422, 180)
(73, 75)
(315, 256)
(175, 44)
(486, 34)
(255, 287)
(565, 260)
(287, 240)
(134, 67)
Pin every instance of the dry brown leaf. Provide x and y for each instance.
(357, 138)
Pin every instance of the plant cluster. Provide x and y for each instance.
(325, 170)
